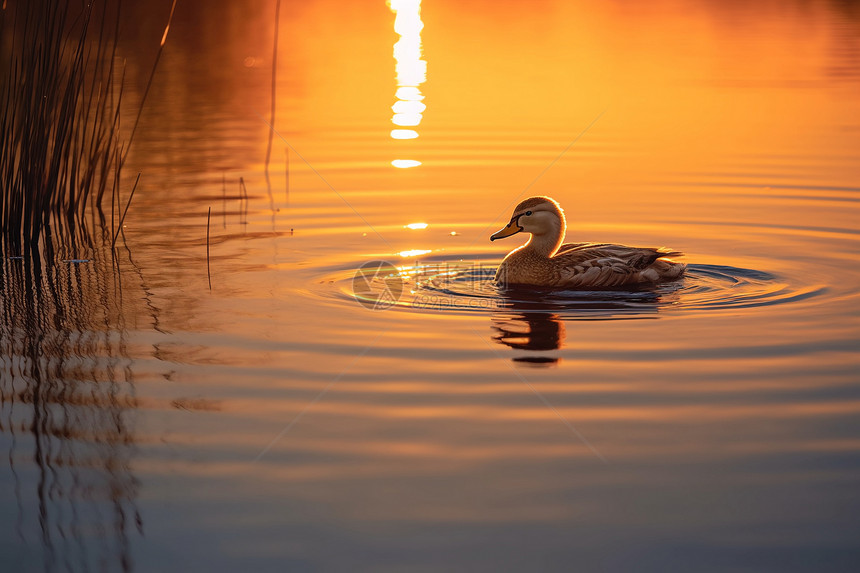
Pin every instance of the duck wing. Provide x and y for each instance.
(602, 265)
(573, 253)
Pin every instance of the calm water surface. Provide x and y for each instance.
(286, 419)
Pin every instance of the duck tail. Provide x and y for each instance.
(667, 252)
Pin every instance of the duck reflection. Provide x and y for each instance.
(66, 410)
(534, 321)
(536, 332)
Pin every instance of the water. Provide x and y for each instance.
(284, 419)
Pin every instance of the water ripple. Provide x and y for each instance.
(467, 287)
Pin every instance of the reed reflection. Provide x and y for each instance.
(411, 72)
(66, 406)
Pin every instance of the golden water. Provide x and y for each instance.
(281, 420)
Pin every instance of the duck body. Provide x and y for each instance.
(545, 262)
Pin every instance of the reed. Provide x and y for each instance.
(61, 147)
(125, 211)
(208, 271)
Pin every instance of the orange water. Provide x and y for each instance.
(283, 421)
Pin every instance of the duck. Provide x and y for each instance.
(544, 262)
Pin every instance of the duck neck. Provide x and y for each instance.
(547, 243)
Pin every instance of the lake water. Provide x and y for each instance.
(271, 413)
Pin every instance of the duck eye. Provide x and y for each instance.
(528, 213)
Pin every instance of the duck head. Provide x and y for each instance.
(543, 218)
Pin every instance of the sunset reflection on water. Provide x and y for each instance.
(278, 417)
(411, 71)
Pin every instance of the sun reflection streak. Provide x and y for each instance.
(414, 253)
(415, 107)
(411, 72)
(404, 134)
(406, 119)
(405, 163)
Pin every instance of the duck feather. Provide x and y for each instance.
(576, 265)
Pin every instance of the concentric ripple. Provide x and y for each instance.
(467, 287)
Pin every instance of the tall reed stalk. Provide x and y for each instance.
(61, 149)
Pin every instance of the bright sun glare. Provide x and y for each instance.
(414, 253)
(411, 73)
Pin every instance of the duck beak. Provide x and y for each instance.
(511, 228)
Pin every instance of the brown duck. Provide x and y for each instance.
(544, 262)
